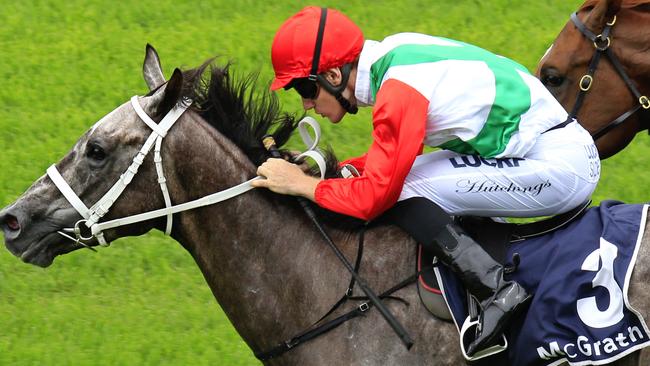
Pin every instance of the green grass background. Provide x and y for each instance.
(63, 65)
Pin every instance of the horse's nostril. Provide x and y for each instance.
(11, 222)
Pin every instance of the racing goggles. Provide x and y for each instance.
(307, 88)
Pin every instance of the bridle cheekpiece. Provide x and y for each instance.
(602, 43)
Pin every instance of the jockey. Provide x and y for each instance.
(506, 145)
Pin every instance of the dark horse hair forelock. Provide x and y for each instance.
(240, 111)
(232, 107)
(243, 115)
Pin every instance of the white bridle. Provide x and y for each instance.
(92, 215)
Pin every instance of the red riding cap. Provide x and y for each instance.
(294, 43)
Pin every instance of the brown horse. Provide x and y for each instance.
(599, 69)
(264, 261)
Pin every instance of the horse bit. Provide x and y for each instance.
(91, 216)
(602, 43)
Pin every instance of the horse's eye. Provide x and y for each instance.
(95, 152)
(552, 80)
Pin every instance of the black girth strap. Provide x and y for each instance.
(316, 331)
(330, 325)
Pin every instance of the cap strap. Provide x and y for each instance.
(319, 42)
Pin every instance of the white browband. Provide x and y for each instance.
(92, 215)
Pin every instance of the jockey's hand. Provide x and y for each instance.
(285, 178)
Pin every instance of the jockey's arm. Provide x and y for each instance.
(399, 119)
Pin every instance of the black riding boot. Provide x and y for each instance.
(432, 227)
(483, 277)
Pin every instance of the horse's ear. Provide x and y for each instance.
(172, 93)
(604, 11)
(151, 68)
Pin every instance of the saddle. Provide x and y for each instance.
(494, 236)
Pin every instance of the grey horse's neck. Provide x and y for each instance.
(264, 261)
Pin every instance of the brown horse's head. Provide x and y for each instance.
(563, 67)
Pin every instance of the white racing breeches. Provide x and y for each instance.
(560, 172)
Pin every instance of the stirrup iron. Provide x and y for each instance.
(472, 324)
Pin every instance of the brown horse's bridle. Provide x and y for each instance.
(602, 43)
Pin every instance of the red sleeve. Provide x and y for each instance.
(399, 119)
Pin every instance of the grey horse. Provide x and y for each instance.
(264, 261)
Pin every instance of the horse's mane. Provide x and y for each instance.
(244, 115)
(625, 4)
(239, 111)
(231, 107)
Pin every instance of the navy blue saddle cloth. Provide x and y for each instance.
(579, 276)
